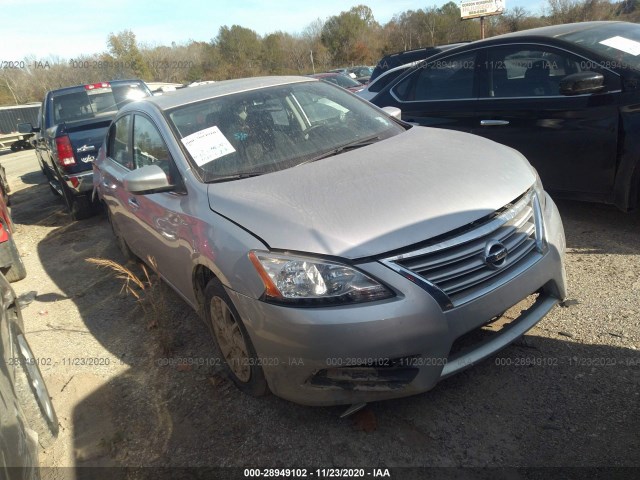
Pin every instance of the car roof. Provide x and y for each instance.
(554, 30)
(186, 96)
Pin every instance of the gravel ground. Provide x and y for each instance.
(567, 394)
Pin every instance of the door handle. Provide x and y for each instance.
(493, 123)
(133, 203)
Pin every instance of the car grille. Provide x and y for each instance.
(460, 264)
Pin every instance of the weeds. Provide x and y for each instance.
(148, 291)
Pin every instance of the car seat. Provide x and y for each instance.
(537, 78)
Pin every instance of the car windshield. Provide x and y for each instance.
(362, 71)
(619, 42)
(270, 129)
(342, 80)
(95, 99)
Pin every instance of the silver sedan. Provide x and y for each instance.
(337, 254)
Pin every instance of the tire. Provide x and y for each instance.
(32, 392)
(80, 206)
(232, 341)
(16, 271)
(5, 195)
(15, 147)
(128, 255)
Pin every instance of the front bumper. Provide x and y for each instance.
(397, 347)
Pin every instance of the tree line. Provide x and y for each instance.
(352, 37)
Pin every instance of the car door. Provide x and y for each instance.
(162, 229)
(109, 173)
(570, 140)
(439, 93)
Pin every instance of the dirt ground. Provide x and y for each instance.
(566, 395)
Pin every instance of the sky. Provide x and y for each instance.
(66, 29)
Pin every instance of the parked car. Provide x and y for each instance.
(27, 416)
(337, 254)
(362, 73)
(398, 59)
(11, 264)
(341, 80)
(71, 126)
(564, 96)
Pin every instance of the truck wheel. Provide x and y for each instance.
(32, 392)
(79, 206)
(15, 147)
(232, 341)
(16, 271)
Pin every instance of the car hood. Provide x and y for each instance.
(391, 194)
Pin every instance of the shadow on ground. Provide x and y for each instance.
(595, 228)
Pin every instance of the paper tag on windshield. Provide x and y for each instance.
(623, 44)
(207, 145)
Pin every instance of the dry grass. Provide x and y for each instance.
(148, 291)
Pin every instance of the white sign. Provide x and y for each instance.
(207, 145)
(623, 44)
(481, 8)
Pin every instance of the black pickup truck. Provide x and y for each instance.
(72, 124)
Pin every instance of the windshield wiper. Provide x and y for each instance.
(343, 148)
(213, 178)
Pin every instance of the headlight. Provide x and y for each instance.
(308, 281)
(540, 205)
(539, 189)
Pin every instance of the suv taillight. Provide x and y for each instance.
(65, 151)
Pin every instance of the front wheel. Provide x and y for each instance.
(232, 341)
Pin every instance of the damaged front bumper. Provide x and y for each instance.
(400, 346)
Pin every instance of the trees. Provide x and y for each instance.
(240, 49)
(124, 59)
(348, 38)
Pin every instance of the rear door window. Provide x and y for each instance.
(450, 78)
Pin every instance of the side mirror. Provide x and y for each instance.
(27, 128)
(146, 180)
(394, 112)
(582, 83)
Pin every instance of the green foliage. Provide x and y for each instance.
(125, 57)
(240, 49)
(345, 35)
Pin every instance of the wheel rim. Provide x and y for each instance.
(230, 339)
